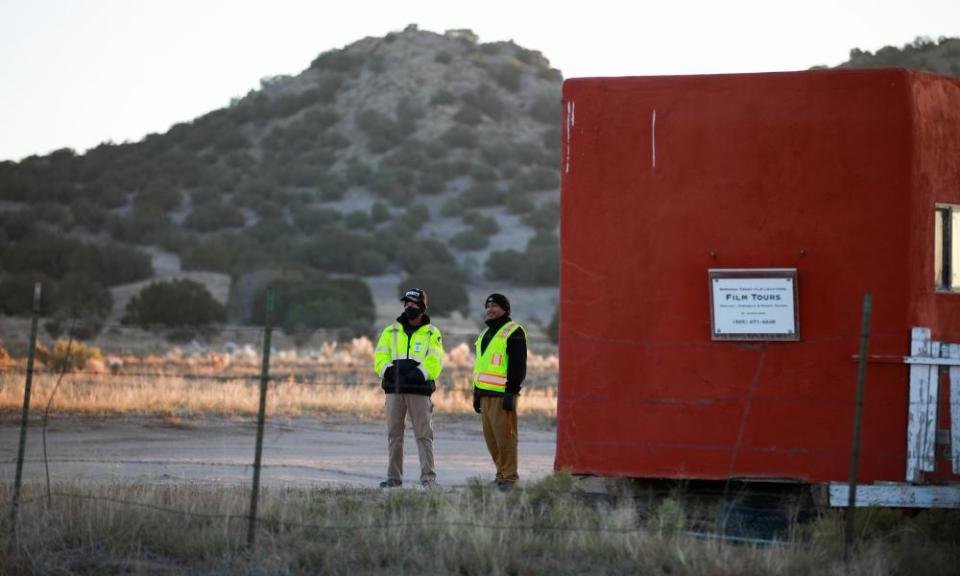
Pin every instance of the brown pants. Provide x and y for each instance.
(500, 432)
(420, 409)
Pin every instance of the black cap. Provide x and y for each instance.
(500, 300)
(417, 296)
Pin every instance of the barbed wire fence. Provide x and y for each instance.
(305, 373)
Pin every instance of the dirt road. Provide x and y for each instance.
(296, 452)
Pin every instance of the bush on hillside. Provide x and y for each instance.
(16, 294)
(383, 132)
(307, 301)
(213, 254)
(509, 75)
(215, 216)
(538, 265)
(485, 99)
(87, 214)
(79, 296)
(460, 136)
(444, 285)
(338, 60)
(177, 303)
(469, 239)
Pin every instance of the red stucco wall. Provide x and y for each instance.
(818, 171)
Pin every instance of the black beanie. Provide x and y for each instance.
(500, 300)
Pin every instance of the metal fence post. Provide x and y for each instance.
(261, 416)
(857, 420)
(26, 407)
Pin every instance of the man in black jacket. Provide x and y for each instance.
(409, 359)
(501, 366)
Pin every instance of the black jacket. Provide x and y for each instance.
(516, 356)
(411, 379)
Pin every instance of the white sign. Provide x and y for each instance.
(755, 304)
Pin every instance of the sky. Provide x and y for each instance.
(76, 73)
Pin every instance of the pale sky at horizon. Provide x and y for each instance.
(76, 73)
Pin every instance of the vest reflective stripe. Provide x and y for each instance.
(490, 371)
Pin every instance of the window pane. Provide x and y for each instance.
(955, 249)
(938, 248)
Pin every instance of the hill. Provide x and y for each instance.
(939, 57)
(431, 157)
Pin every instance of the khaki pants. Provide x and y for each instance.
(420, 409)
(500, 432)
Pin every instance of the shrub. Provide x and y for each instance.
(546, 108)
(79, 296)
(214, 254)
(505, 265)
(311, 219)
(442, 97)
(419, 253)
(519, 204)
(87, 214)
(379, 212)
(540, 178)
(176, 303)
(356, 220)
(415, 216)
(485, 99)
(547, 217)
(468, 116)
(369, 262)
(358, 173)
(460, 136)
(17, 225)
(49, 212)
(431, 183)
(307, 300)
(16, 294)
(338, 61)
(509, 76)
(70, 355)
(469, 239)
(215, 216)
(444, 286)
(553, 328)
(383, 132)
(485, 225)
(144, 226)
(443, 57)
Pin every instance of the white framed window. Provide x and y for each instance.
(946, 248)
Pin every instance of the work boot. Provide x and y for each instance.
(391, 483)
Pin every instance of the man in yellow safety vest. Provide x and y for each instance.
(409, 358)
(499, 371)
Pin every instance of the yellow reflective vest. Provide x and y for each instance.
(423, 346)
(490, 370)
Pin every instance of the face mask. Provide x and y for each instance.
(411, 313)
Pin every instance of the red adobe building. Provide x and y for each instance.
(822, 185)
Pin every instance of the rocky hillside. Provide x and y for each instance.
(430, 156)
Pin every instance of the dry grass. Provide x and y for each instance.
(337, 379)
(540, 528)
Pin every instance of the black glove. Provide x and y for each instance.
(390, 374)
(509, 402)
(476, 403)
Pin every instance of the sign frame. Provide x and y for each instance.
(716, 275)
